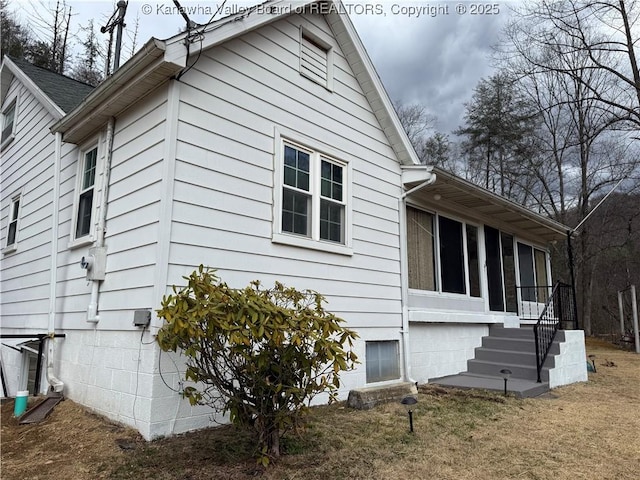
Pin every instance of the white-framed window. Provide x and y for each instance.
(443, 254)
(316, 58)
(533, 273)
(8, 123)
(12, 226)
(312, 205)
(501, 270)
(382, 360)
(84, 210)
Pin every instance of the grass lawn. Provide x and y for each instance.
(583, 431)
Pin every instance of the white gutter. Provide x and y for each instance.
(92, 310)
(404, 275)
(56, 384)
(132, 70)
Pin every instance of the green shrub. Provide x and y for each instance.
(260, 355)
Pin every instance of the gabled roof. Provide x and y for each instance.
(62, 93)
(158, 60)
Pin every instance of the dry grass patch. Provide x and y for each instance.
(583, 431)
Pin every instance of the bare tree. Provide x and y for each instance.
(49, 40)
(564, 59)
(602, 32)
(133, 36)
(416, 120)
(431, 146)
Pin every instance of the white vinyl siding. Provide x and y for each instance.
(238, 105)
(132, 219)
(26, 165)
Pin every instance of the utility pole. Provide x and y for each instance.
(116, 22)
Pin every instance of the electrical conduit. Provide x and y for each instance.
(55, 383)
(92, 310)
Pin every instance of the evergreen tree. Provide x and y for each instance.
(87, 68)
(14, 38)
(498, 129)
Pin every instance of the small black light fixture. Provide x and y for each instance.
(592, 357)
(506, 373)
(408, 403)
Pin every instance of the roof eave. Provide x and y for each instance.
(550, 230)
(147, 69)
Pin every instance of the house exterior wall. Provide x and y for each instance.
(111, 366)
(233, 103)
(446, 327)
(97, 361)
(132, 220)
(26, 169)
(438, 350)
(441, 307)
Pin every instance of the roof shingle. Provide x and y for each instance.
(64, 91)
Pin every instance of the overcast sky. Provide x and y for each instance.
(428, 52)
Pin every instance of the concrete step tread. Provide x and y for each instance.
(514, 365)
(503, 350)
(520, 387)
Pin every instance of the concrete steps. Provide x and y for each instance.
(506, 348)
(515, 386)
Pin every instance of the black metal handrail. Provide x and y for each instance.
(559, 310)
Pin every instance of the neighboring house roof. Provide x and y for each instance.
(62, 94)
(159, 60)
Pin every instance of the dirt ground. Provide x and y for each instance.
(583, 431)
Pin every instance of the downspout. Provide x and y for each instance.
(56, 385)
(92, 310)
(404, 277)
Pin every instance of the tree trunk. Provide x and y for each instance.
(274, 443)
(631, 49)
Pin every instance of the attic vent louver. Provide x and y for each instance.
(316, 60)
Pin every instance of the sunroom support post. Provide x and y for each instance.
(573, 276)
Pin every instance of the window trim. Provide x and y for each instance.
(465, 260)
(368, 362)
(547, 267)
(322, 42)
(11, 104)
(12, 247)
(318, 151)
(89, 238)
